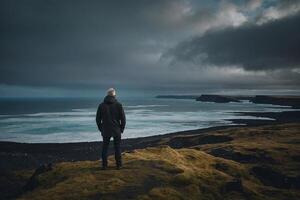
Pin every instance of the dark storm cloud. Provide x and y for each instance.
(75, 43)
(273, 45)
(67, 42)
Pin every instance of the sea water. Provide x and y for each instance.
(73, 119)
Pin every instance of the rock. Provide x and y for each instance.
(213, 139)
(181, 142)
(176, 96)
(33, 182)
(270, 177)
(229, 153)
(221, 166)
(216, 98)
(293, 101)
(233, 185)
(294, 181)
(247, 157)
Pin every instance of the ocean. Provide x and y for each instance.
(60, 120)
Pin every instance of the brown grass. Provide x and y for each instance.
(188, 173)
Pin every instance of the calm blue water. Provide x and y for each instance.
(73, 120)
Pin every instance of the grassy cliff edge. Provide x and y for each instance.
(252, 163)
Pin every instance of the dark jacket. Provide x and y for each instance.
(110, 117)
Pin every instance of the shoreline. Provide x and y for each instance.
(15, 156)
(253, 161)
(282, 117)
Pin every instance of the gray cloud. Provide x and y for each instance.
(87, 44)
(93, 43)
(274, 45)
(277, 10)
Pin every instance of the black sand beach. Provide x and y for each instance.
(29, 156)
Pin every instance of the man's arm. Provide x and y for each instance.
(122, 118)
(99, 119)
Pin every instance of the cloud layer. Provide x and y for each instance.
(150, 44)
(275, 45)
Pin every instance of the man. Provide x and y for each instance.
(111, 122)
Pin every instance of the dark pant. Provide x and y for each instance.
(117, 142)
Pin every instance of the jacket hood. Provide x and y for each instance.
(110, 99)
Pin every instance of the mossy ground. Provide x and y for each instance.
(188, 173)
(275, 145)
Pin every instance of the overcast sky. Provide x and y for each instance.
(148, 44)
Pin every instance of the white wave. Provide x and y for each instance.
(83, 109)
(60, 137)
(146, 106)
(78, 125)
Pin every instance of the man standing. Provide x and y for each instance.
(111, 122)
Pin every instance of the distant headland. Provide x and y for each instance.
(282, 100)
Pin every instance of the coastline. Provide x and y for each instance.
(16, 156)
(282, 100)
(256, 159)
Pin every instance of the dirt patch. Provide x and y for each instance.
(230, 153)
(270, 177)
(183, 142)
